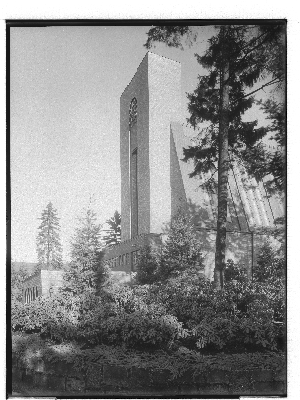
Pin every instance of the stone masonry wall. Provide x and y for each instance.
(106, 379)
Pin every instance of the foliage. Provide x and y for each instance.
(148, 266)
(49, 250)
(143, 328)
(270, 265)
(179, 253)
(29, 348)
(240, 318)
(182, 250)
(254, 52)
(113, 234)
(183, 310)
(17, 279)
(179, 313)
(170, 35)
(94, 320)
(270, 165)
(86, 270)
(244, 316)
(234, 272)
(237, 57)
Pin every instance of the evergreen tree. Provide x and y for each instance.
(270, 264)
(49, 249)
(271, 164)
(237, 58)
(180, 253)
(182, 250)
(148, 265)
(113, 234)
(17, 279)
(86, 270)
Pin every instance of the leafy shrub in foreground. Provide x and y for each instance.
(142, 328)
(185, 309)
(243, 316)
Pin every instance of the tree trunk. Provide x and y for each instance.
(222, 167)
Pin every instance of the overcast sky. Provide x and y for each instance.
(66, 83)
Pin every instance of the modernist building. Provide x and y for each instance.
(155, 183)
(42, 283)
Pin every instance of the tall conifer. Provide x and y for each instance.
(113, 234)
(48, 245)
(86, 267)
(237, 58)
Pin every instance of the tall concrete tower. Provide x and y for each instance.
(148, 105)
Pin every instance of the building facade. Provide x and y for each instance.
(155, 182)
(42, 283)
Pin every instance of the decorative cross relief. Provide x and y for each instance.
(133, 112)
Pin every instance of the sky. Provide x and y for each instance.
(66, 83)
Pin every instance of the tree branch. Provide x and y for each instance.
(253, 48)
(275, 80)
(210, 179)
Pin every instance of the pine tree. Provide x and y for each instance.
(270, 164)
(237, 57)
(148, 265)
(86, 270)
(179, 254)
(49, 249)
(182, 250)
(113, 234)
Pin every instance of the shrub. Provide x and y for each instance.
(142, 328)
(184, 310)
(147, 266)
(240, 317)
(270, 264)
(185, 296)
(233, 272)
(181, 252)
(134, 318)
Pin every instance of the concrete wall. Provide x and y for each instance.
(178, 195)
(164, 106)
(138, 88)
(123, 257)
(32, 285)
(42, 281)
(156, 86)
(51, 279)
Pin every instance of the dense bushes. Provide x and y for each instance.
(182, 312)
(30, 349)
(118, 316)
(183, 309)
(242, 317)
(180, 253)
